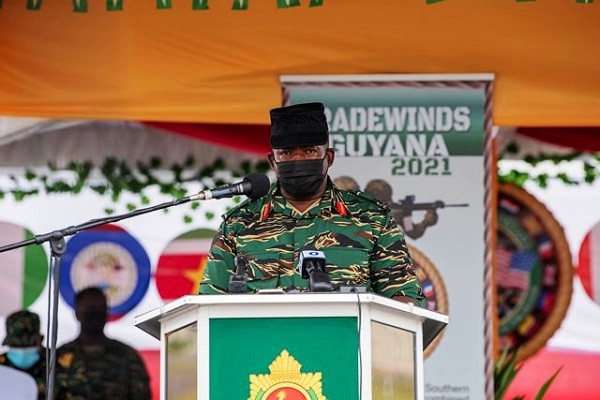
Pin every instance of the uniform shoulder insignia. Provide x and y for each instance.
(248, 204)
(66, 359)
(372, 199)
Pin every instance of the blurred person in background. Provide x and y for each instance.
(96, 367)
(25, 351)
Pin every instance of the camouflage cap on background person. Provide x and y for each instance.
(22, 329)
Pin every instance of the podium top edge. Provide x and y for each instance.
(290, 299)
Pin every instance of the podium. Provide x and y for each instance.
(303, 346)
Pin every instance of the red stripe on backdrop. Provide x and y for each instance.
(578, 378)
(245, 137)
(152, 360)
(581, 139)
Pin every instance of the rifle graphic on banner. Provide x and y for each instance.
(403, 214)
(402, 210)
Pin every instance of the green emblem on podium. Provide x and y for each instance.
(286, 382)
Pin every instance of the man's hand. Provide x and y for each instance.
(406, 299)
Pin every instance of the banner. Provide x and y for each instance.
(417, 143)
(167, 60)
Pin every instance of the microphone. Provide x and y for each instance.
(254, 186)
(238, 281)
(311, 265)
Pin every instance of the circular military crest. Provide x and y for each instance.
(181, 264)
(111, 259)
(24, 270)
(533, 271)
(433, 287)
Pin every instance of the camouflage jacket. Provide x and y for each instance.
(361, 241)
(112, 371)
(37, 371)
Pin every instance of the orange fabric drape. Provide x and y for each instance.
(222, 66)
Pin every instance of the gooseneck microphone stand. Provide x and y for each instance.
(57, 248)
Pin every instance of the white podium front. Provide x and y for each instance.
(302, 346)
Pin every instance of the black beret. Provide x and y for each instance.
(299, 125)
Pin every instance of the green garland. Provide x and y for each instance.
(590, 164)
(119, 177)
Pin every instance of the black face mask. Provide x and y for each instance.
(92, 322)
(301, 179)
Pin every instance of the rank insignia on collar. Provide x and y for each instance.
(286, 382)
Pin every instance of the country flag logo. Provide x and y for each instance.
(24, 270)
(428, 289)
(509, 206)
(514, 268)
(181, 264)
(589, 263)
(109, 258)
(545, 247)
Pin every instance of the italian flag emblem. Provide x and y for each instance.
(24, 270)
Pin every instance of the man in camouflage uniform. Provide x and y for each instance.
(362, 243)
(25, 351)
(94, 366)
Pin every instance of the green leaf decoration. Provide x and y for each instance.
(187, 219)
(240, 5)
(189, 162)
(114, 5)
(287, 3)
(590, 168)
(506, 369)
(504, 373)
(114, 177)
(109, 211)
(99, 189)
(209, 215)
(540, 394)
(200, 5)
(80, 6)
(155, 162)
(315, 3)
(163, 4)
(34, 4)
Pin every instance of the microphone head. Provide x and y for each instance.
(259, 185)
(308, 259)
